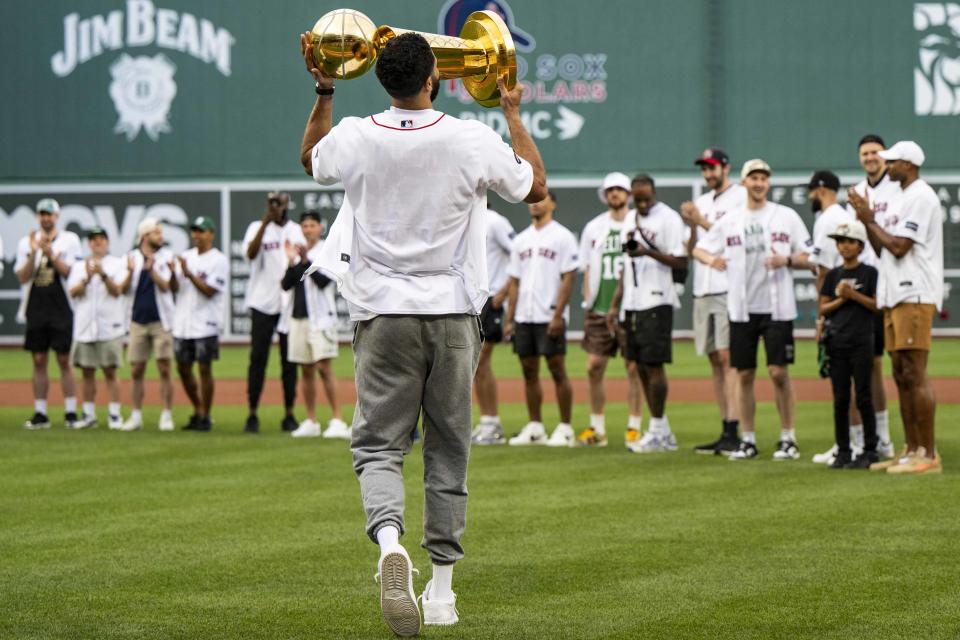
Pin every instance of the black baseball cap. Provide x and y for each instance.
(713, 157)
(824, 178)
(96, 231)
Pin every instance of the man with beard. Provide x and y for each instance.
(263, 247)
(711, 324)
(44, 258)
(149, 285)
(601, 261)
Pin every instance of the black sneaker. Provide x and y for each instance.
(252, 425)
(787, 450)
(724, 445)
(191, 423)
(842, 460)
(204, 424)
(38, 421)
(70, 420)
(711, 448)
(289, 423)
(864, 460)
(746, 451)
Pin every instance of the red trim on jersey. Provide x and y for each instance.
(408, 128)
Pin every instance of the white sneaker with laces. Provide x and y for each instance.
(533, 433)
(398, 603)
(438, 612)
(166, 422)
(562, 436)
(827, 457)
(885, 449)
(653, 442)
(86, 422)
(114, 423)
(132, 424)
(307, 429)
(337, 429)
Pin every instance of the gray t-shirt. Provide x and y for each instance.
(755, 240)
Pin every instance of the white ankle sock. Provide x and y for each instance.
(883, 426)
(442, 582)
(89, 409)
(750, 436)
(788, 434)
(136, 415)
(633, 422)
(598, 423)
(488, 420)
(856, 435)
(388, 537)
(40, 406)
(113, 408)
(163, 414)
(70, 404)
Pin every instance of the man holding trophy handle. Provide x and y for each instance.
(415, 183)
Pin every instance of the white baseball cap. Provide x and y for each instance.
(904, 150)
(147, 225)
(755, 165)
(48, 205)
(613, 180)
(853, 230)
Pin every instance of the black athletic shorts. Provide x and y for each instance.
(202, 350)
(40, 337)
(649, 339)
(531, 339)
(491, 321)
(745, 338)
(878, 334)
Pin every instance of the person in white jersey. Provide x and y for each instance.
(652, 237)
(44, 258)
(759, 246)
(601, 261)
(408, 251)
(96, 286)
(711, 324)
(149, 289)
(312, 321)
(201, 304)
(263, 248)
(500, 237)
(910, 292)
(543, 264)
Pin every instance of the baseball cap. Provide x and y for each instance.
(147, 225)
(96, 231)
(854, 230)
(713, 157)
(48, 205)
(824, 178)
(756, 164)
(202, 223)
(904, 150)
(613, 180)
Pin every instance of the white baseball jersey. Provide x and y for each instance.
(708, 281)
(66, 245)
(539, 259)
(648, 283)
(196, 315)
(825, 252)
(601, 256)
(917, 276)
(417, 183)
(164, 299)
(321, 303)
(500, 235)
(266, 270)
(748, 236)
(884, 197)
(97, 315)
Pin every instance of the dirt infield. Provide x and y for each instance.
(234, 392)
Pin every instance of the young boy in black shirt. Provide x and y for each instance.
(848, 301)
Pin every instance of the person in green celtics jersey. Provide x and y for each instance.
(601, 261)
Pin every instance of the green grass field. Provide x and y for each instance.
(944, 359)
(221, 535)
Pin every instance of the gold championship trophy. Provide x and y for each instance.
(346, 43)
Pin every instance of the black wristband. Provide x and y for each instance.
(324, 92)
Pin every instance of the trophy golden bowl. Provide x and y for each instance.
(346, 44)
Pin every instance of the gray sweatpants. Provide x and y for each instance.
(404, 364)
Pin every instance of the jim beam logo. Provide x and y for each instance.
(936, 78)
(142, 88)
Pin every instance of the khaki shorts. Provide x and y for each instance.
(306, 345)
(149, 338)
(711, 324)
(907, 326)
(597, 339)
(102, 354)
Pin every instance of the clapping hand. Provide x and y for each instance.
(861, 205)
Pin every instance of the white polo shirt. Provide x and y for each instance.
(97, 315)
(196, 315)
(266, 270)
(707, 281)
(772, 229)
(416, 183)
(648, 283)
(66, 245)
(540, 257)
(917, 276)
(825, 252)
(500, 235)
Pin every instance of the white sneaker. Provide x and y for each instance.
(132, 424)
(885, 449)
(337, 429)
(827, 457)
(654, 442)
(438, 612)
(533, 433)
(398, 603)
(307, 429)
(166, 422)
(86, 422)
(114, 423)
(562, 436)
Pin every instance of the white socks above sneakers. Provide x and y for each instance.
(441, 584)
(750, 436)
(40, 406)
(633, 422)
(489, 419)
(89, 409)
(883, 426)
(856, 436)
(660, 425)
(70, 404)
(790, 435)
(597, 423)
(388, 538)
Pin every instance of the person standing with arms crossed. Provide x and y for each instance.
(410, 245)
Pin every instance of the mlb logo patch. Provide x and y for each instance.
(406, 124)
